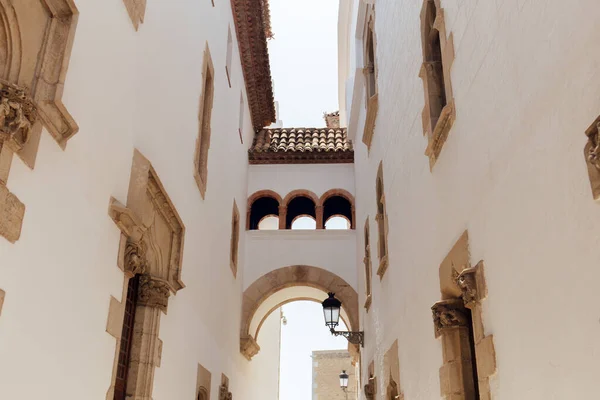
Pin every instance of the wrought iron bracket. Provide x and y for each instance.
(353, 337)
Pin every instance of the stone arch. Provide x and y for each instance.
(317, 281)
(10, 43)
(261, 194)
(298, 193)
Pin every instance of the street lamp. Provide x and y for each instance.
(331, 312)
(344, 380)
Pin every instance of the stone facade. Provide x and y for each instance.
(327, 365)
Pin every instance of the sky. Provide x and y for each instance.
(304, 332)
(303, 58)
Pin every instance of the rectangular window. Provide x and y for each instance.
(229, 55)
(235, 238)
(204, 119)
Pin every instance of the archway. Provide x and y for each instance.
(280, 286)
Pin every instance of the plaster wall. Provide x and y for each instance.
(526, 82)
(127, 90)
(263, 370)
(285, 178)
(333, 250)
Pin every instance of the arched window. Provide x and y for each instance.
(336, 206)
(202, 394)
(269, 223)
(260, 209)
(304, 222)
(381, 219)
(337, 222)
(299, 206)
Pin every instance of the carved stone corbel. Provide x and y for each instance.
(449, 314)
(248, 347)
(18, 113)
(134, 257)
(153, 292)
(592, 157)
(370, 389)
(224, 393)
(467, 282)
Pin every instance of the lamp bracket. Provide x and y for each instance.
(353, 337)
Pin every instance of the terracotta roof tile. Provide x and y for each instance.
(301, 145)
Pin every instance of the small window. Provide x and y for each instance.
(370, 63)
(229, 55)
(235, 238)
(261, 209)
(269, 223)
(304, 222)
(337, 206)
(204, 119)
(337, 222)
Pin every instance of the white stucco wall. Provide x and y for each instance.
(512, 172)
(285, 178)
(263, 370)
(333, 250)
(127, 90)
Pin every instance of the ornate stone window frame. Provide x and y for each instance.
(391, 363)
(28, 106)
(203, 382)
(436, 127)
(224, 393)
(382, 223)
(235, 239)
(204, 122)
(151, 245)
(592, 157)
(368, 265)
(458, 322)
(370, 71)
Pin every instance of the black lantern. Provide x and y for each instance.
(331, 311)
(344, 380)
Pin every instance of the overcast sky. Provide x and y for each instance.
(304, 60)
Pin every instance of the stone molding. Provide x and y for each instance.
(448, 314)
(458, 321)
(18, 114)
(370, 388)
(248, 347)
(32, 77)
(436, 127)
(592, 157)
(372, 111)
(251, 19)
(2, 296)
(207, 96)
(298, 275)
(368, 265)
(153, 292)
(382, 223)
(152, 236)
(224, 393)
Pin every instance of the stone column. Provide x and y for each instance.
(153, 296)
(282, 216)
(319, 214)
(452, 325)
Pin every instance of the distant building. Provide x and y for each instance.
(327, 366)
